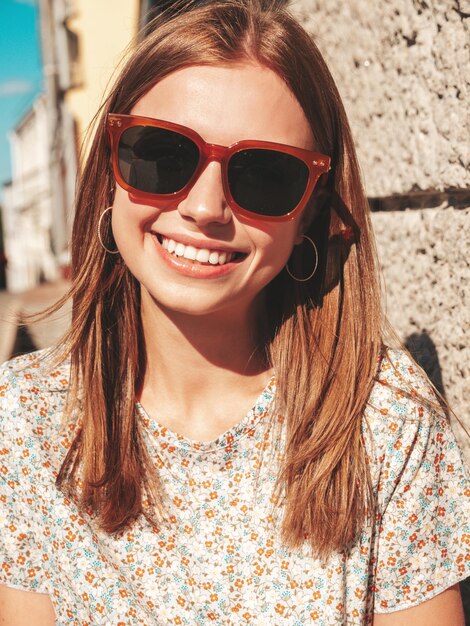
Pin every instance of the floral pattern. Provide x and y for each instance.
(218, 557)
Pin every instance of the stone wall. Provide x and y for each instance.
(403, 69)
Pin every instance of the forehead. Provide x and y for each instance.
(225, 104)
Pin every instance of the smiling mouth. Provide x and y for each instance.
(202, 256)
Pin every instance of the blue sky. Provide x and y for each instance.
(20, 69)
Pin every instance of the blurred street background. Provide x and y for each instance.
(56, 59)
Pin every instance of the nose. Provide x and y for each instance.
(206, 202)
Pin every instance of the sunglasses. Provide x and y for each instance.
(154, 159)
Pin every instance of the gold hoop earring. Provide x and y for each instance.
(303, 280)
(99, 232)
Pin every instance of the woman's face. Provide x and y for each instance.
(224, 104)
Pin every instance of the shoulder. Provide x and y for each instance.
(399, 377)
(401, 393)
(40, 368)
(421, 484)
(33, 391)
(404, 420)
(30, 379)
(32, 384)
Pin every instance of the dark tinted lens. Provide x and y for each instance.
(267, 182)
(156, 160)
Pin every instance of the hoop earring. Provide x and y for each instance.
(99, 232)
(303, 280)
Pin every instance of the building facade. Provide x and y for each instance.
(101, 31)
(78, 64)
(82, 41)
(26, 212)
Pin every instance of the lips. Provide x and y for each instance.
(202, 255)
(196, 254)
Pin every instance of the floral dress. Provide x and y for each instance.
(219, 558)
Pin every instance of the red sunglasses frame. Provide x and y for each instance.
(317, 164)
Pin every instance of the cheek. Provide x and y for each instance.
(274, 243)
(131, 221)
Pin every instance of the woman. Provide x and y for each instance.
(223, 259)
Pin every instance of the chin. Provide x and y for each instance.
(188, 303)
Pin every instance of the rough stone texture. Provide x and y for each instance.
(426, 271)
(403, 70)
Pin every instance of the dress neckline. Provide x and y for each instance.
(259, 410)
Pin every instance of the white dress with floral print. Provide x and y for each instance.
(219, 558)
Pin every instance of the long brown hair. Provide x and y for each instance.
(324, 338)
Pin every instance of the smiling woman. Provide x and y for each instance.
(256, 103)
(223, 436)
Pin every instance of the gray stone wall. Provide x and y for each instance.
(403, 70)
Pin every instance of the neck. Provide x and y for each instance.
(195, 354)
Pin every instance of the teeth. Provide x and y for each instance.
(203, 255)
(179, 250)
(214, 258)
(190, 253)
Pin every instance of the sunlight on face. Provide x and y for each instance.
(224, 104)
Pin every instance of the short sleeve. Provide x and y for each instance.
(424, 533)
(423, 521)
(21, 557)
(20, 553)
